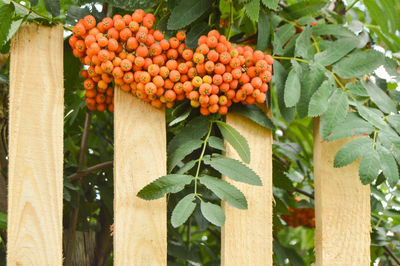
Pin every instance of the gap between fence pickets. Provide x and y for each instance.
(342, 208)
(247, 234)
(35, 193)
(140, 227)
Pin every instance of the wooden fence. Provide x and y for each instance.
(35, 196)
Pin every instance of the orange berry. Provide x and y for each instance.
(181, 35)
(204, 111)
(205, 89)
(213, 99)
(158, 81)
(198, 58)
(113, 33)
(174, 42)
(170, 95)
(258, 55)
(187, 54)
(158, 35)
(174, 75)
(219, 68)
(164, 44)
(213, 108)
(172, 54)
(142, 51)
(88, 84)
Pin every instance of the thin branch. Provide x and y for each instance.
(74, 216)
(94, 168)
(390, 253)
(311, 196)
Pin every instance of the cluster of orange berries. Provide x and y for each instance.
(125, 52)
(300, 217)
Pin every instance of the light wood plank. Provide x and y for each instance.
(342, 208)
(36, 147)
(140, 227)
(247, 234)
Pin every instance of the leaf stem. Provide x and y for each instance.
(158, 7)
(351, 6)
(315, 44)
(196, 178)
(230, 20)
(31, 10)
(290, 58)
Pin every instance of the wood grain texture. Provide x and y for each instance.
(247, 234)
(36, 147)
(342, 208)
(140, 227)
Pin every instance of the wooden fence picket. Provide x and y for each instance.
(342, 208)
(140, 156)
(247, 235)
(35, 194)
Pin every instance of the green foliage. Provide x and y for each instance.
(310, 64)
(233, 169)
(212, 213)
(225, 191)
(186, 12)
(183, 210)
(166, 184)
(238, 142)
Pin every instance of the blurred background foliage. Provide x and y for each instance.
(271, 25)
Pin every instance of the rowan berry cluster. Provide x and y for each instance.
(300, 217)
(125, 52)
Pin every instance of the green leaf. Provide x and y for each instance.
(279, 79)
(75, 13)
(332, 29)
(189, 165)
(253, 113)
(303, 43)
(252, 9)
(371, 116)
(233, 169)
(3, 221)
(6, 12)
(264, 31)
(182, 151)
(391, 13)
(377, 14)
(186, 12)
(193, 35)
(216, 143)
(195, 129)
(166, 184)
(34, 2)
(358, 64)
(225, 191)
(180, 118)
(292, 88)
(281, 36)
(238, 142)
(271, 4)
(369, 165)
(351, 151)
(394, 121)
(380, 98)
(309, 84)
(302, 8)
(337, 111)
(388, 165)
(352, 126)
(53, 6)
(133, 4)
(357, 89)
(183, 210)
(14, 28)
(213, 213)
(319, 100)
(72, 66)
(336, 51)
